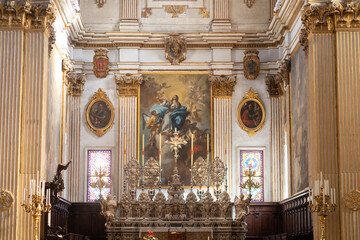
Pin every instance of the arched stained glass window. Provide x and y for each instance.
(99, 162)
(253, 160)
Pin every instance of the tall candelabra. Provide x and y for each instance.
(100, 183)
(35, 203)
(322, 201)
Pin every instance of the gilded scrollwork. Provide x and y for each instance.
(222, 85)
(175, 48)
(6, 200)
(129, 84)
(352, 200)
(199, 172)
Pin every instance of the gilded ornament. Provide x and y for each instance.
(251, 113)
(100, 113)
(274, 85)
(101, 62)
(222, 85)
(175, 49)
(146, 12)
(199, 172)
(75, 83)
(129, 84)
(352, 200)
(175, 10)
(217, 172)
(251, 64)
(205, 13)
(6, 200)
(249, 3)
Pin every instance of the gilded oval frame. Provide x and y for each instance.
(251, 95)
(99, 96)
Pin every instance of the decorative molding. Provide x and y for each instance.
(175, 49)
(352, 200)
(101, 62)
(66, 65)
(146, 12)
(222, 85)
(100, 3)
(175, 10)
(278, 5)
(251, 64)
(75, 83)
(29, 15)
(274, 85)
(97, 113)
(6, 200)
(249, 3)
(275, 82)
(327, 17)
(206, 14)
(128, 85)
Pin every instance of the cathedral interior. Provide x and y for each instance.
(179, 119)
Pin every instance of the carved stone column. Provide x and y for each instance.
(221, 21)
(275, 85)
(129, 16)
(75, 86)
(222, 87)
(331, 33)
(25, 34)
(128, 88)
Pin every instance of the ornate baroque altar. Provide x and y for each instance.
(205, 213)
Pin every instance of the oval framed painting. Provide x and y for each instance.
(100, 113)
(251, 113)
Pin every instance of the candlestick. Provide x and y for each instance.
(124, 148)
(207, 149)
(192, 149)
(143, 147)
(160, 150)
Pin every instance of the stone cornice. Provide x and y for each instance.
(222, 85)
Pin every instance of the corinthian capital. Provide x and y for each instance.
(275, 82)
(128, 85)
(222, 85)
(75, 83)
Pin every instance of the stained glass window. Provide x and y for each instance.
(253, 160)
(99, 162)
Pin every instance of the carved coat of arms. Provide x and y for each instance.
(175, 49)
(101, 62)
(251, 64)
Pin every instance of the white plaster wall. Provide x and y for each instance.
(89, 140)
(261, 139)
(254, 19)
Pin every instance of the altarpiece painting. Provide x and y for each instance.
(174, 102)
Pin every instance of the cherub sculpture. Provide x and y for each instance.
(242, 208)
(108, 209)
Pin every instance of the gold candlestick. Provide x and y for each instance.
(100, 183)
(36, 207)
(323, 205)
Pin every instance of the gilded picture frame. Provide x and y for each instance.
(251, 113)
(100, 113)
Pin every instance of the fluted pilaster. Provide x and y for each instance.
(75, 83)
(128, 87)
(222, 88)
(221, 21)
(129, 16)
